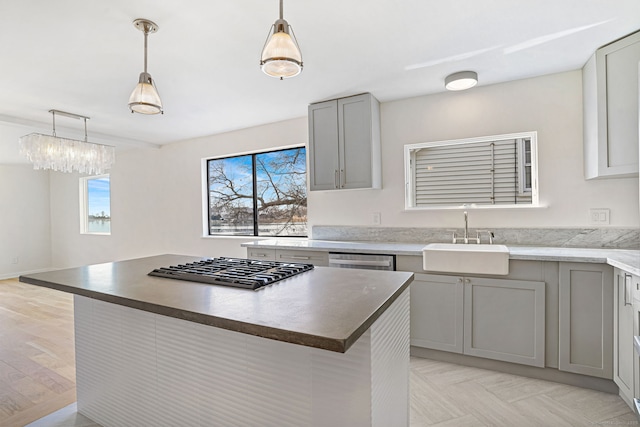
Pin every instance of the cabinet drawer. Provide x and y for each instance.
(260, 253)
(318, 258)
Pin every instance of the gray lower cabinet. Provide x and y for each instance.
(492, 318)
(623, 352)
(586, 319)
(505, 320)
(437, 312)
(318, 258)
(636, 332)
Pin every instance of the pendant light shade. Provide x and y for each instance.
(145, 98)
(281, 56)
(461, 81)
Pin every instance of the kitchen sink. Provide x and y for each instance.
(466, 258)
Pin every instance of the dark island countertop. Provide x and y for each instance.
(327, 308)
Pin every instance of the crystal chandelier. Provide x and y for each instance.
(66, 155)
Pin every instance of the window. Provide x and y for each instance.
(488, 171)
(95, 205)
(260, 194)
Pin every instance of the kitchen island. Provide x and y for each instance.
(326, 347)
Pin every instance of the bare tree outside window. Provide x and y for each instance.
(263, 194)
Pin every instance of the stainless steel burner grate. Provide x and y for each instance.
(236, 272)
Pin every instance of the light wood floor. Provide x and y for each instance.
(37, 377)
(37, 362)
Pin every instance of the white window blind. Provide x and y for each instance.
(481, 173)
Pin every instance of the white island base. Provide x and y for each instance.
(137, 368)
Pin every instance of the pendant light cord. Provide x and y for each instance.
(281, 14)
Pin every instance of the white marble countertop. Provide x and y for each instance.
(628, 260)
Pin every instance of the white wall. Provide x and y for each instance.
(156, 199)
(25, 230)
(157, 193)
(550, 105)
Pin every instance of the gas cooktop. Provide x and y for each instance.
(236, 272)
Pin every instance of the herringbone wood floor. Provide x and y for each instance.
(37, 377)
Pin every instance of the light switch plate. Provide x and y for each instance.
(376, 218)
(599, 216)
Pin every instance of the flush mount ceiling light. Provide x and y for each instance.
(281, 56)
(461, 81)
(144, 98)
(66, 155)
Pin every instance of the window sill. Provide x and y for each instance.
(208, 236)
(473, 207)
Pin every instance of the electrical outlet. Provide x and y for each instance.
(376, 218)
(15, 260)
(599, 216)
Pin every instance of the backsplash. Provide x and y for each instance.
(612, 238)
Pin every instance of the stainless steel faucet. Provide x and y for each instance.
(466, 238)
(466, 227)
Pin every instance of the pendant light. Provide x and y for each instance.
(461, 81)
(281, 56)
(144, 98)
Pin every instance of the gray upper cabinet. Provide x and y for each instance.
(610, 96)
(344, 144)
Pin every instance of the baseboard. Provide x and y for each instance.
(548, 374)
(17, 274)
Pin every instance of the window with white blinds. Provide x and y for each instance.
(497, 170)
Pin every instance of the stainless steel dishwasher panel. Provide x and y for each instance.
(362, 261)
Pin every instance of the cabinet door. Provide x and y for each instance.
(635, 292)
(505, 320)
(623, 358)
(318, 258)
(586, 319)
(436, 312)
(621, 63)
(355, 141)
(610, 121)
(323, 146)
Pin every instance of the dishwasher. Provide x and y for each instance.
(363, 261)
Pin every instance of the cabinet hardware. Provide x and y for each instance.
(627, 288)
(341, 178)
(335, 178)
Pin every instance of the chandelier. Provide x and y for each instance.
(66, 155)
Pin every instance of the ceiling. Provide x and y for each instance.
(84, 57)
